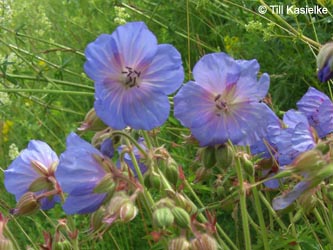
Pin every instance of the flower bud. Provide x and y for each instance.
(180, 243)
(96, 219)
(116, 202)
(41, 183)
(185, 203)
(309, 161)
(27, 204)
(106, 185)
(182, 218)
(204, 241)
(171, 171)
(325, 62)
(224, 156)
(92, 122)
(155, 180)
(163, 217)
(128, 211)
(208, 158)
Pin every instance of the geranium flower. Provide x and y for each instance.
(223, 103)
(318, 109)
(79, 172)
(133, 76)
(33, 171)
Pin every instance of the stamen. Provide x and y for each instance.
(132, 76)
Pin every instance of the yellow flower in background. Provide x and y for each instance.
(231, 44)
(6, 126)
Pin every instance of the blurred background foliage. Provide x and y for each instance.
(45, 92)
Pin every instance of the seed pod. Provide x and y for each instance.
(180, 243)
(171, 171)
(163, 217)
(182, 218)
(204, 241)
(224, 156)
(208, 158)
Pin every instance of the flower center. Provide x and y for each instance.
(131, 77)
(221, 106)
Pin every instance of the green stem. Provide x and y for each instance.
(47, 91)
(323, 226)
(33, 78)
(272, 212)
(260, 215)
(293, 230)
(11, 237)
(242, 199)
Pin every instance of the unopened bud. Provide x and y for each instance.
(155, 180)
(309, 161)
(180, 243)
(116, 202)
(204, 241)
(92, 122)
(182, 218)
(171, 171)
(41, 183)
(208, 158)
(325, 62)
(224, 156)
(27, 204)
(106, 185)
(128, 211)
(96, 219)
(163, 217)
(185, 203)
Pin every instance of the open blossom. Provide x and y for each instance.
(318, 108)
(223, 101)
(133, 76)
(78, 174)
(33, 171)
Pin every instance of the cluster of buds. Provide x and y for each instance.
(220, 156)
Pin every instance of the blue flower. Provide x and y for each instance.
(33, 171)
(318, 109)
(223, 103)
(78, 173)
(295, 139)
(133, 76)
